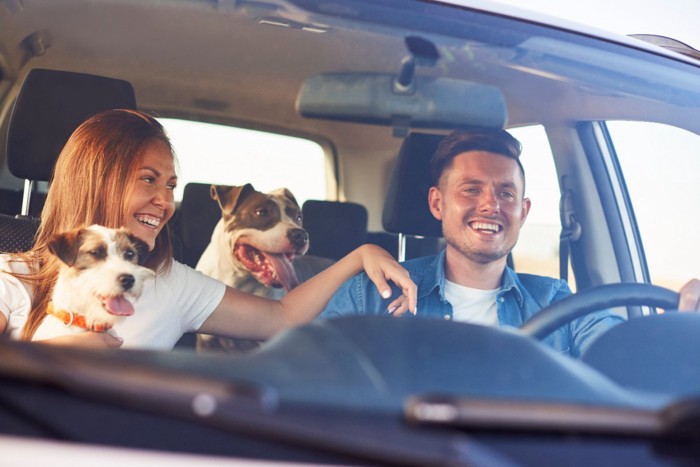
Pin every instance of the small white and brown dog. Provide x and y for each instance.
(253, 247)
(100, 274)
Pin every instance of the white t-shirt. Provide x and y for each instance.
(15, 301)
(170, 305)
(472, 305)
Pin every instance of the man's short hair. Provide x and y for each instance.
(459, 141)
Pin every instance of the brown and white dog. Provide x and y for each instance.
(256, 239)
(100, 273)
(253, 246)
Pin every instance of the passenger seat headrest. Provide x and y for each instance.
(406, 208)
(198, 216)
(51, 104)
(335, 228)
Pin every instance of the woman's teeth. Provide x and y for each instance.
(149, 221)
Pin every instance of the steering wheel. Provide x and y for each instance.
(597, 298)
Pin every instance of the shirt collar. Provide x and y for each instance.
(434, 276)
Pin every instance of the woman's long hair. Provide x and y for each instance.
(92, 183)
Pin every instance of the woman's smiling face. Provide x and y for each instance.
(152, 202)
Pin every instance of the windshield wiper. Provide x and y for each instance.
(679, 418)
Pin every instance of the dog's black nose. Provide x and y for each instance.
(298, 237)
(127, 281)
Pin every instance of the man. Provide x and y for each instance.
(478, 195)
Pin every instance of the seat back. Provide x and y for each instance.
(50, 105)
(406, 211)
(17, 233)
(195, 221)
(335, 228)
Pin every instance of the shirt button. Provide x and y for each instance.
(501, 299)
(448, 317)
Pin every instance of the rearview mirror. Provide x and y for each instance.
(373, 98)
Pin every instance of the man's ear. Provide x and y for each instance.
(435, 202)
(526, 210)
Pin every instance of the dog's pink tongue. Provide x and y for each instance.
(119, 306)
(284, 270)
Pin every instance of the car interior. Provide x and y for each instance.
(377, 85)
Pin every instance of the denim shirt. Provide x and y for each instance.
(519, 297)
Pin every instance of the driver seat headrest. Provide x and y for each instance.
(406, 203)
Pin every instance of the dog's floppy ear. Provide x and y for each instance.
(65, 246)
(229, 197)
(285, 193)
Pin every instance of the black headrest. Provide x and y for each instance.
(335, 228)
(406, 204)
(198, 215)
(51, 104)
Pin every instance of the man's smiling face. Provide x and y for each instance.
(480, 201)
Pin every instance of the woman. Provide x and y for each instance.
(118, 169)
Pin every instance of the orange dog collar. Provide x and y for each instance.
(73, 319)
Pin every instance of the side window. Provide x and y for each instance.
(537, 250)
(661, 164)
(234, 156)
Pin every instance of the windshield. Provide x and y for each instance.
(546, 281)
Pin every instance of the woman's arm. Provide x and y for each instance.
(243, 315)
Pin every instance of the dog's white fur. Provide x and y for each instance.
(99, 270)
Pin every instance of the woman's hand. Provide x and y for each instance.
(690, 296)
(91, 340)
(381, 267)
(399, 306)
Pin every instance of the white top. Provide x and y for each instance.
(472, 305)
(170, 305)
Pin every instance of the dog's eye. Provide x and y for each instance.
(299, 219)
(98, 253)
(129, 254)
(262, 212)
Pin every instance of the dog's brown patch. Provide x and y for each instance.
(78, 248)
(92, 249)
(130, 247)
(258, 212)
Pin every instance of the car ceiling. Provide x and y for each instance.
(217, 61)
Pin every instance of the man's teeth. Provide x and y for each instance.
(150, 221)
(486, 226)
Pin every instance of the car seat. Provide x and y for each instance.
(406, 213)
(335, 227)
(49, 106)
(194, 222)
